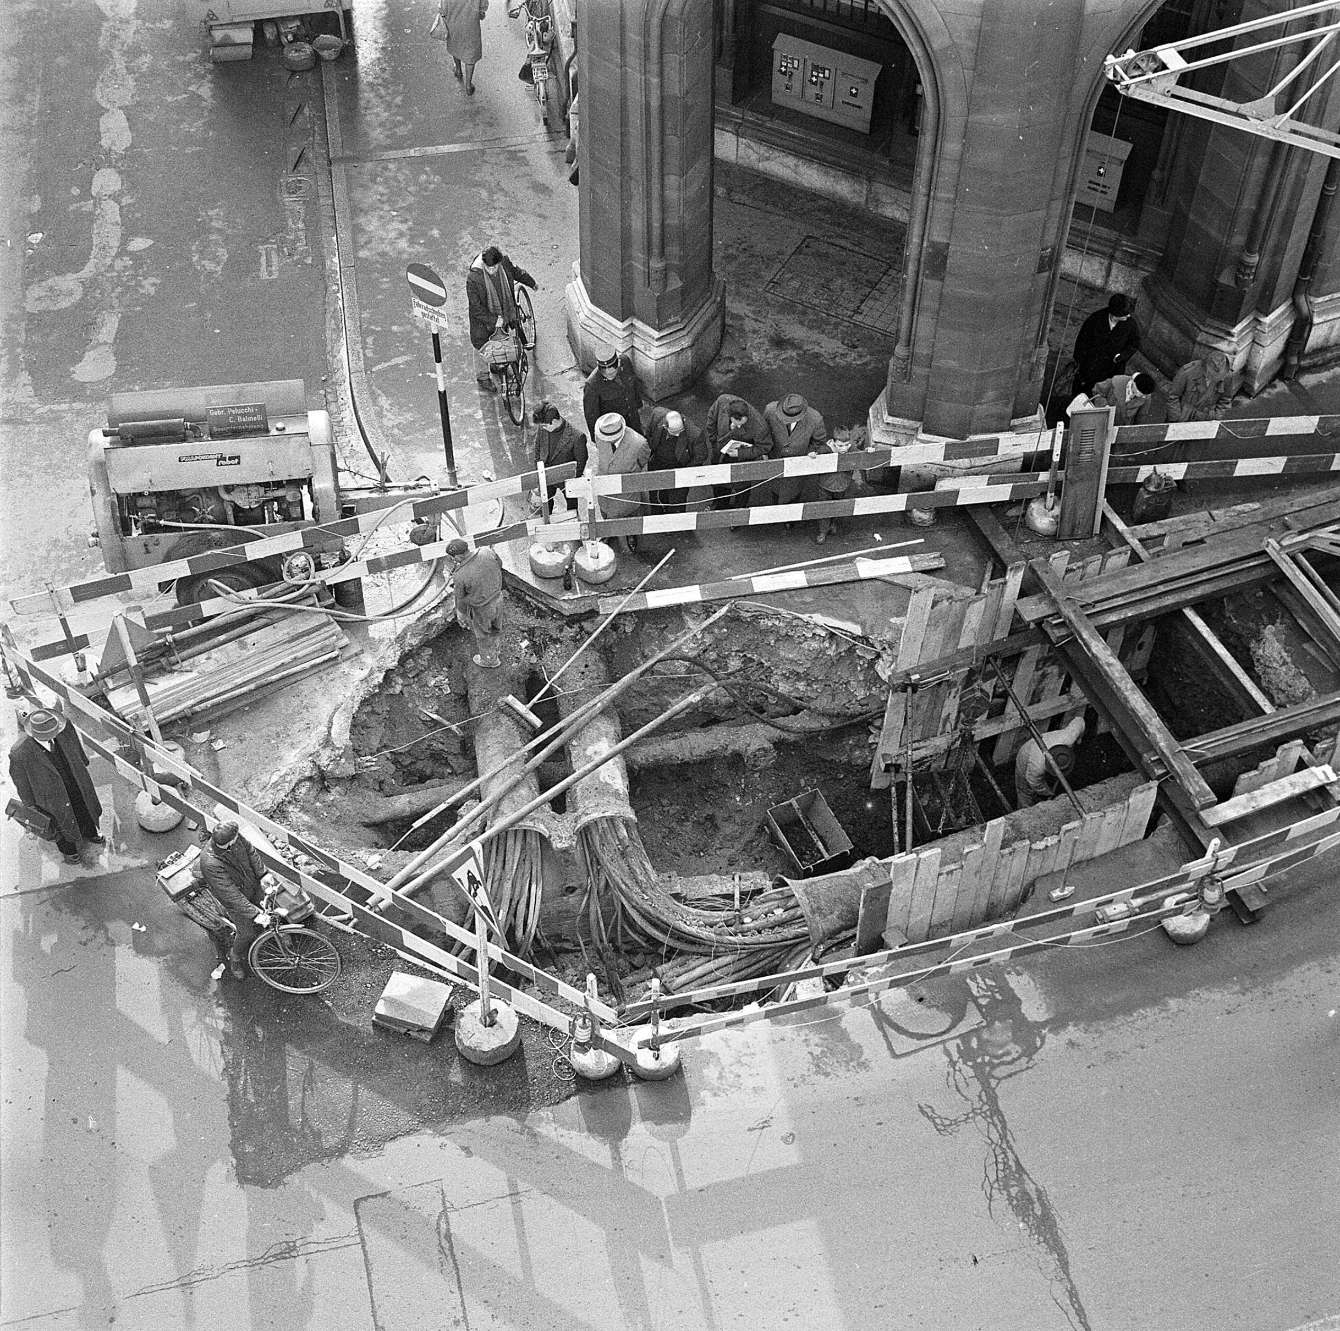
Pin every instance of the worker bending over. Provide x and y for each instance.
(1035, 777)
(478, 586)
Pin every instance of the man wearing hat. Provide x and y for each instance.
(796, 429)
(612, 386)
(618, 450)
(229, 868)
(677, 443)
(478, 585)
(1035, 775)
(49, 769)
(489, 283)
(736, 432)
(1107, 339)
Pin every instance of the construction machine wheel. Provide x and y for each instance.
(242, 578)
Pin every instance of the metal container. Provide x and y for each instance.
(805, 830)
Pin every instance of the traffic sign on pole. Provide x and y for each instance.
(428, 294)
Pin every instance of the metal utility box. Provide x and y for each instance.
(822, 82)
(1100, 179)
(804, 828)
(1088, 443)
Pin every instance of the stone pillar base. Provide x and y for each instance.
(1026, 435)
(666, 359)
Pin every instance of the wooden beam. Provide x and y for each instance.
(1260, 730)
(1302, 585)
(1232, 675)
(1263, 797)
(1129, 709)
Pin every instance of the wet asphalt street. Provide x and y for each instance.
(1126, 1138)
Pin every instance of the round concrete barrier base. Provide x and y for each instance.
(654, 1064)
(154, 816)
(549, 561)
(489, 1044)
(1187, 929)
(1042, 519)
(593, 1064)
(594, 563)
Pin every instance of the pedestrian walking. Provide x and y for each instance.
(478, 586)
(619, 450)
(1127, 394)
(49, 769)
(612, 386)
(736, 432)
(231, 871)
(489, 285)
(1107, 339)
(675, 442)
(1202, 390)
(464, 39)
(796, 428)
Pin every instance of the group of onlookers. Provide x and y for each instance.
(625, 435)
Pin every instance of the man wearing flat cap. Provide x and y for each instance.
(230, 869)
(676, 442)
(612, 386)
(478, 583)
(796, 430)
(49, 769)
(737, 432)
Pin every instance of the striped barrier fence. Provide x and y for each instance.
(852, 570)
(1228, 432)
(113, 738)
(1216, 469)
(154, 577)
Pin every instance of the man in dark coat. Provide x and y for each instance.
(1107, 340)
(231, 870)
(478, 586)
(737, 432)
(49, 769)
(676, 442)
(489, 284)
(557, 442)
(797, 430)
(612, 386)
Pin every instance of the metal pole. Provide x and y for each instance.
(482, 963)
(444, 410)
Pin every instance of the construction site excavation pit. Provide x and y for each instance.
(737, 835)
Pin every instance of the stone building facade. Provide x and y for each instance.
(988, 117)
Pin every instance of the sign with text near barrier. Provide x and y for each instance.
(435, 316)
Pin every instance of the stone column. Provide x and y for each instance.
(644, 282)
(970, 355)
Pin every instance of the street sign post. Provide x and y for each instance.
(428, 295)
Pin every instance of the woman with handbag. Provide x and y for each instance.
(457, 24)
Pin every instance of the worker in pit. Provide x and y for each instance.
(1035, 774)
(478, 587)
(49, 769)
(231, 872)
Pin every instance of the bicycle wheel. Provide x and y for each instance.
(525, 316)
(294, 960)
(514, 392)
(542, 96)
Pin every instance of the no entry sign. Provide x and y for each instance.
(426, 285)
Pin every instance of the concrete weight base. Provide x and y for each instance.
(549, 561)
(153, 816)
(593, 1064)
(654, 1064)
(594, 564)
(486, 1045)
(1187, 929)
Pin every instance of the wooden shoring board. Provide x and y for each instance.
(1302, 585)
(1112, 687)
(1257, 731)
(1273, 792)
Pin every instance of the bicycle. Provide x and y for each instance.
(525, 313)
(508, 359)
(539, 49)
(286, 954)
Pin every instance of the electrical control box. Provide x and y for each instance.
(822, 82)
(1104, 161)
